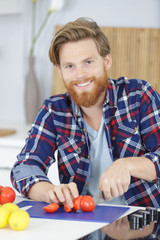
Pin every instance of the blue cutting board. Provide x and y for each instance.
(104, 214)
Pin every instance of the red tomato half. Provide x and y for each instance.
(77, 202)
(7, 195)
(87, 203)
(67, 208)
(53, 207)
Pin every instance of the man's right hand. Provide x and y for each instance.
(64, 193)
(47, 192)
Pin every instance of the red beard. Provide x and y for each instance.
(88, 98)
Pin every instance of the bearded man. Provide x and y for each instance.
(106, 131)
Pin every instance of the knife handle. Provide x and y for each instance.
(103, 195)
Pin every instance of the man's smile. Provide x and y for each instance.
(84, 85)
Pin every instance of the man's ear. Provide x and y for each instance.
(108, 61)
(59, 71)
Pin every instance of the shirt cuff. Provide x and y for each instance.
(23, 171)
(25, 176)
(154, 157)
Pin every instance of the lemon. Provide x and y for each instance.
(19, 219)
(4, 216)
(10, 206)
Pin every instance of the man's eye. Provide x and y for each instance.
(89, 62)
(69, 66)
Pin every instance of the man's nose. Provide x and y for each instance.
(80, 72)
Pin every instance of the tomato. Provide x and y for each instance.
(77, 202)
(87, 203)
(7, 195)
(1, 187)
(67, 208)
(53, 207)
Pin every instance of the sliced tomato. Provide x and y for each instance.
(77, 202)
(67, 208)
(87, 203)
(53, 207)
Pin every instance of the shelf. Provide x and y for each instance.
(11, 6)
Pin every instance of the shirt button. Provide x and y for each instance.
(57, 143)
(113, 138)
(88, 156)
(135, 129)
(86, 184)
(79, 149)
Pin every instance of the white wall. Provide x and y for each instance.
(15, 42)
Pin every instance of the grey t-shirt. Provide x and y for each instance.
(100, 160)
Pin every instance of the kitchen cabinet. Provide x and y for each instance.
(10, 146)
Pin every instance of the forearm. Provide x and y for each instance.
(140, 167)
(115, 180)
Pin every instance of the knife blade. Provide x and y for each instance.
(99, 198)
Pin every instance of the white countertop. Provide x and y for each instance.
(50, 229)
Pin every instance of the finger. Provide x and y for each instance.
(118, 224)
(67, 196)
(107, 193)
(114, 191)
(52, 197)
(122, 224)
(120, 188)
(125, 221)
(73, 189)
(105, 187)
(125, 185)
(110, 189)
(59, 194)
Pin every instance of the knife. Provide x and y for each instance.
(98, 198)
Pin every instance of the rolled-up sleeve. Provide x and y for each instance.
(38, 153)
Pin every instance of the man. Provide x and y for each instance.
(107, 132)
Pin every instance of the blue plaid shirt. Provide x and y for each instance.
(132, 121)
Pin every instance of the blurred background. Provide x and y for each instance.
(16, 35)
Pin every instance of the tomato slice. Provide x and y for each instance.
(67, 208)
(53, 207)
(87, 203)
(77, 202)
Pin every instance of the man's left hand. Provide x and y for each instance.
(115, 180)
